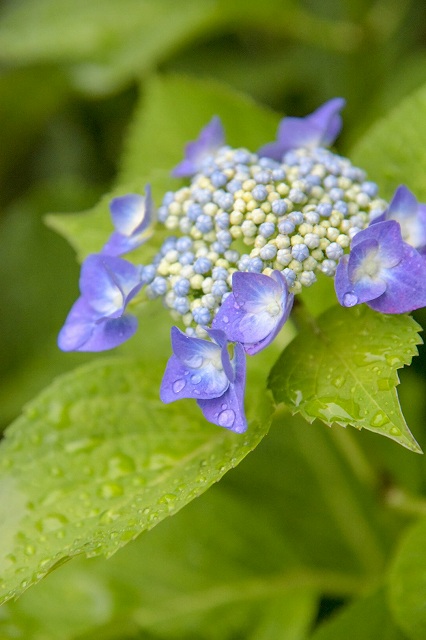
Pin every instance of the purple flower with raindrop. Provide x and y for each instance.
(211, 138)
(318, 129)
(382, 270)
(204, 370)
(132, 215)
(255, 311)
(411, 215)
(97, 321)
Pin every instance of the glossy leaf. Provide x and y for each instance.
(96, 459)
(214, 569)
(407, 582)
(342, 368)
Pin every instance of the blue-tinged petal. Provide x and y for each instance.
(327, 117)
(410, 214)
(405, 285)
(343, 286)
(211, 138)
(180, 381)
(132, 212)
(132, 215)
(228, 410)
(256, 310)
(109, 283)
(319, 128)
(387, 234)
(85, 330)
(366, 271)
(195, 370)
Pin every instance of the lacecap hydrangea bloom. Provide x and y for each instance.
(246, 234)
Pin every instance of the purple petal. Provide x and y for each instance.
(228, 410)
(320, 128)
(405, 285)
(195, 369)
(132, 213)
(108, 283)
(388, 236)
(411, 215)
(342, 284)
(118, 244)
(327, 117)
(366, 272)
(85, 330)
(211, 138)
(180, 381)
(256, 310)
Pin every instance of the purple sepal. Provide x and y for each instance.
(96, 321)
(256, 310)
(383, 271)
(228, 410)
(203, 370)
(84, 330)
(318, 129)
(210, 139)
(194, 370)
(411, 215)
(132, 215)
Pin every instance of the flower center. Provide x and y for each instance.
(273, 308)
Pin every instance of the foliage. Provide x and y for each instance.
(100, 98)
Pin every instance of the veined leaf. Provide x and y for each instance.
(342, 368)
(98, 458)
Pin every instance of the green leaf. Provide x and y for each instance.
(98, 458)
(407, 582)
(213, 571)
(368, 618)
(393, 151)
(342, 368)
(172, 112)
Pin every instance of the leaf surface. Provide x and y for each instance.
(342, 368)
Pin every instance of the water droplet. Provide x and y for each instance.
(178, 385)
(196, 378)
(393, 361)
(350, 300)
(120, 465)
(51, 522)
(226, 418)
(339, 382)
(394, 431)
(224, 406)
(225, 319)
(110, 490)
(379, 419)
(30, 550)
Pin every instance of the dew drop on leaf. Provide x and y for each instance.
(379, 419)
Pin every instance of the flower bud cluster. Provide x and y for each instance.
(245, 213)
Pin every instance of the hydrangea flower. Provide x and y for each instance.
(382, 270)
(97, 321)
(318, 129)
(411, 215)
(255, 311)
(211, 138)
(132, 215)
(204, 370)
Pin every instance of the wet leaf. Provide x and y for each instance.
(342, 368)
(98, 458)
